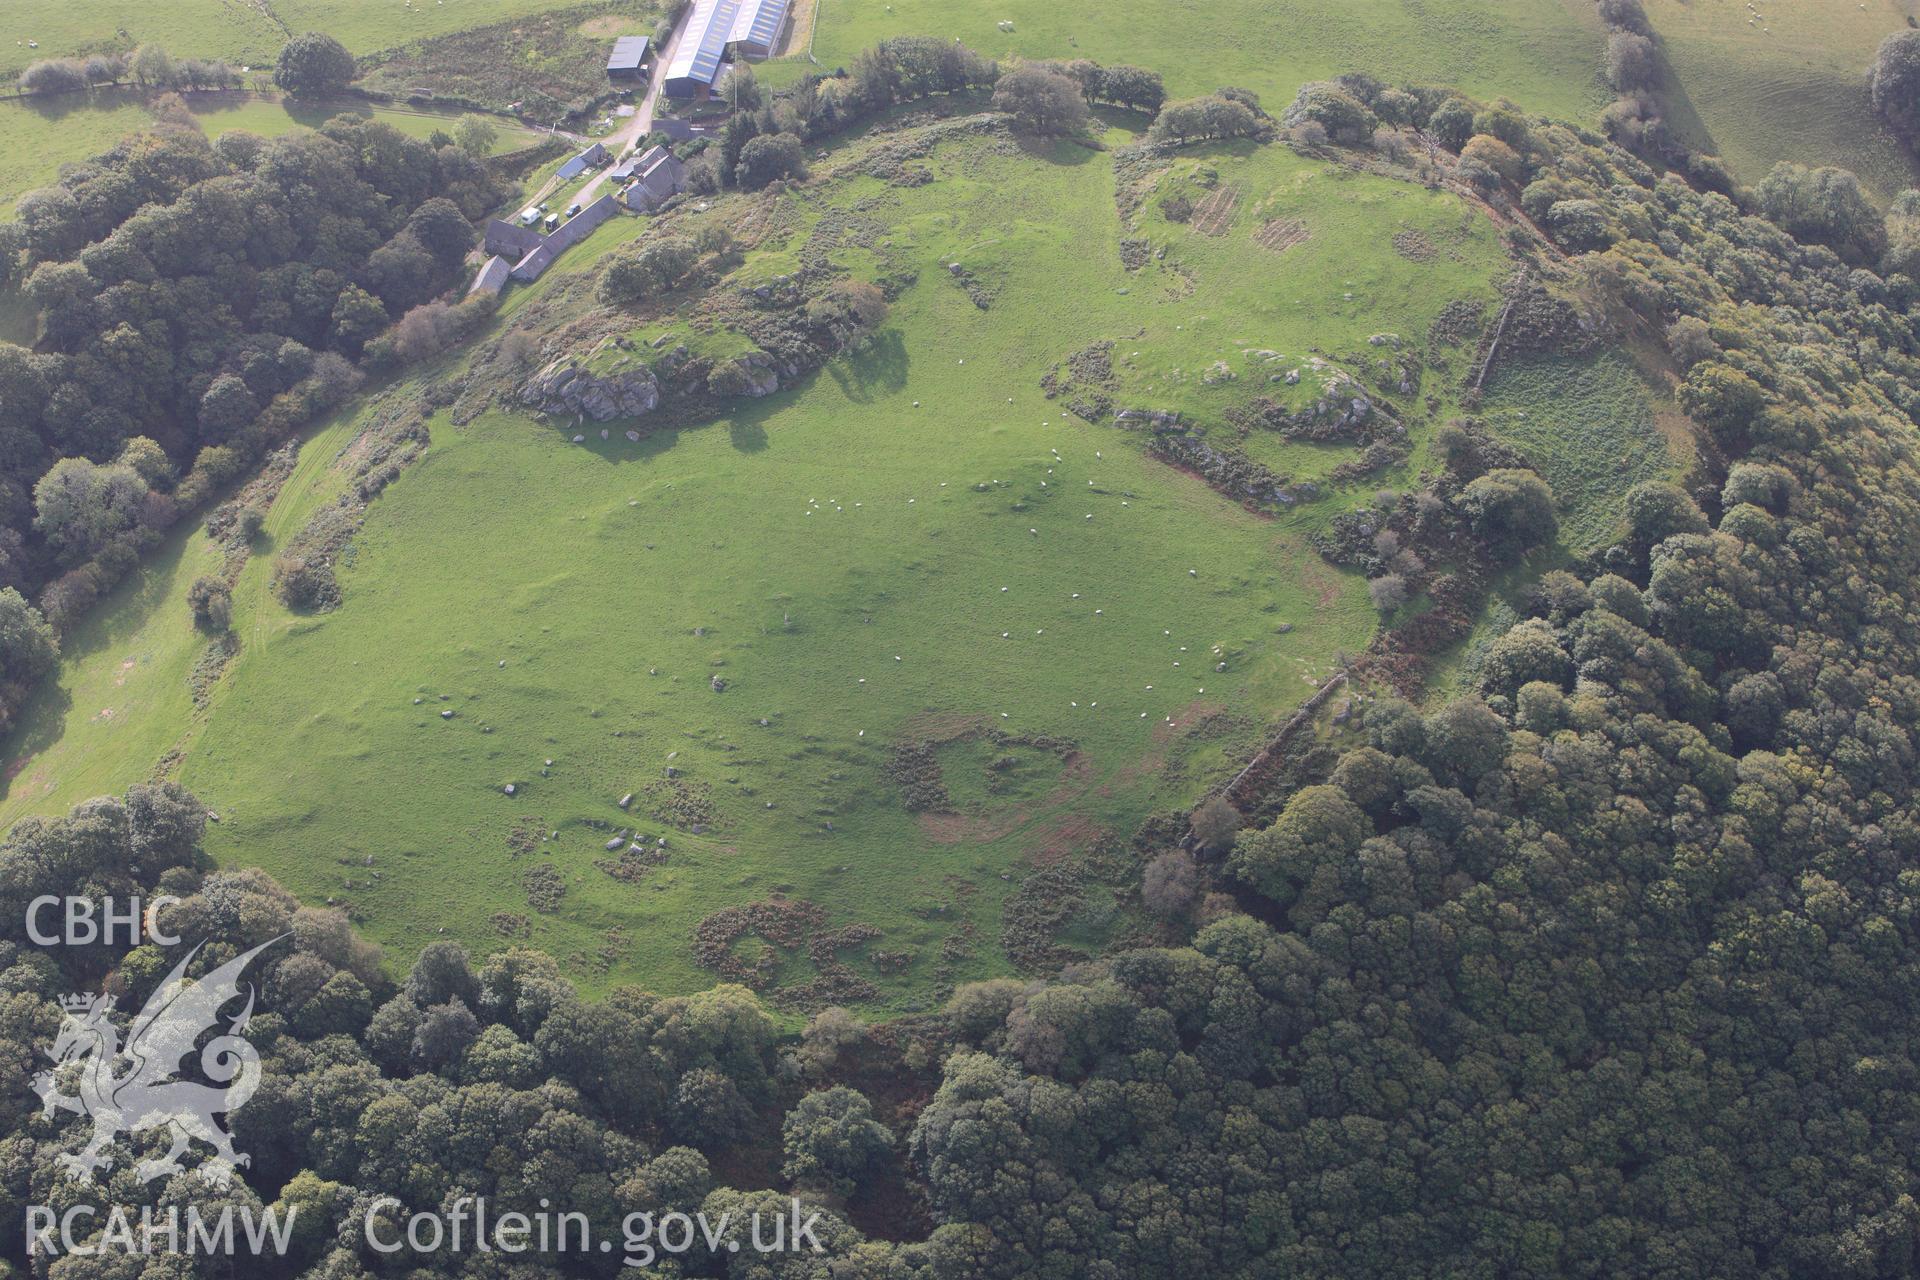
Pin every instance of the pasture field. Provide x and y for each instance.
(1545, 54)
(37, 137)
(35, 140)
(1785, 80)
(912, 549)
(245, 32)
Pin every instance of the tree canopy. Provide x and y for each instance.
(314, 65)
(1041, 101)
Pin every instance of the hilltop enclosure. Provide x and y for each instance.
(771, 654)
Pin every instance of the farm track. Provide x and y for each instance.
(799, 41)
(266, 10)
(642, 122)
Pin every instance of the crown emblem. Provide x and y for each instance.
(78, 1002)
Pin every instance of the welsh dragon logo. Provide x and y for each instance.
(146, 1093)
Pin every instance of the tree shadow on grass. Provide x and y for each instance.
(746, 435)
(617, 449)
(1060, 151)
(878, 368)
(746, 425)
(55, 107)
(114, 622)
(1125, 119)
(41, 725)
(1683, 119)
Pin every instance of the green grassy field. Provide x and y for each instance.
(243, 31)
(36, 138)
(837, 554)
(1589, 425)
(1545, 54)
(1785, 80)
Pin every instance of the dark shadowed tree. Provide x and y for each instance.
(1215, 822)
(1510, 510)
(769, 158)
(1895, 82)
(314, 66)
(1040, 101)
(1170, 884)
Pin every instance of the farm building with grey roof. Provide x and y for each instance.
(657, 175)
(629, 58)
(510, 240)
(592, 158)
(493, 276)
(568, 234)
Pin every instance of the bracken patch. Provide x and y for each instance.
(634, 863)
(524, 838)
(511, 924)
(1414, 246)
(679, 803)
(783, 925)
(1035, 914)
(915, 769)
(544, 887)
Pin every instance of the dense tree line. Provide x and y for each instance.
(197, 302)
(1043, 97)
(1607, 969)
(150, 66)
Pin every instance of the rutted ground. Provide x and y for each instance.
(915, 532)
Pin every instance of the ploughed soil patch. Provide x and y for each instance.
(1213, 215)
(1281, 234)
(1058, 840)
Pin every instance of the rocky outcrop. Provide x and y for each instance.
(783, 292)
(1231, 472)
(759, 374)
(1342, 411)
(1152, 419)
(563, 387)
(751, 376)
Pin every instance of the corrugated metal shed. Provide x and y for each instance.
(757, 27)
(702, 48)
(593, 157)
(628, 56)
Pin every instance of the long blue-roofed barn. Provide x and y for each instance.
(719, 32)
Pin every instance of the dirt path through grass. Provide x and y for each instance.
(642, 123)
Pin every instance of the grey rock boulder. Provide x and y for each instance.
(563, 387)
